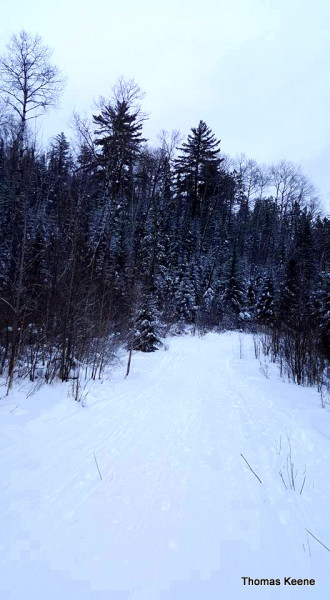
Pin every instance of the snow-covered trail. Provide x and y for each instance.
(177, 515)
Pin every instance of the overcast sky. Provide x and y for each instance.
(256, 71)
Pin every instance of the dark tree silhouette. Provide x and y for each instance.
(198, 159)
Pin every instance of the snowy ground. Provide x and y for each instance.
(178, 515)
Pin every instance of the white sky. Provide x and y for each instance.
(257, 71)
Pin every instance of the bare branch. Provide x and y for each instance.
(254, 473)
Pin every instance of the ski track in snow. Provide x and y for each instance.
(177, 515)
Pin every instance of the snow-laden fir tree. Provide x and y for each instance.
(291, 307)
(185, 300)
(265, 304)
(322, 312)
(145, 336)
(234, 296)
(251, 300)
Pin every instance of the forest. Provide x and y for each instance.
(107, 240)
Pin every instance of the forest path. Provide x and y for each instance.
(178, 514)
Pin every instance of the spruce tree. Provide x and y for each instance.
(199, 157)
(290, 307)
(185, 300)
(234, 295)
(251, 300)
(145, 334)
(322, 312)
(265, 305)
(119, 137)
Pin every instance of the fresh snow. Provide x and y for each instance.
(178, 514)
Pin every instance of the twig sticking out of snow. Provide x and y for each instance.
(255, 474)
(302, 487)
(97, 466)
(319, 541)
(291, 479)
(281, 475)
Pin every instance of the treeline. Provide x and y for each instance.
(97, 234)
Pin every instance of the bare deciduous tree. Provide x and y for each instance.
(29, 83)
(291, 185)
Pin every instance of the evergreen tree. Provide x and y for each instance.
(290, 307)
(185, 300)
(234, 295)
(251, 300)
(199, 157)
(145, 334)
(265, 305)
(119, 137)
(322, 312)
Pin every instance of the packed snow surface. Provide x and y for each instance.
(200, 468)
